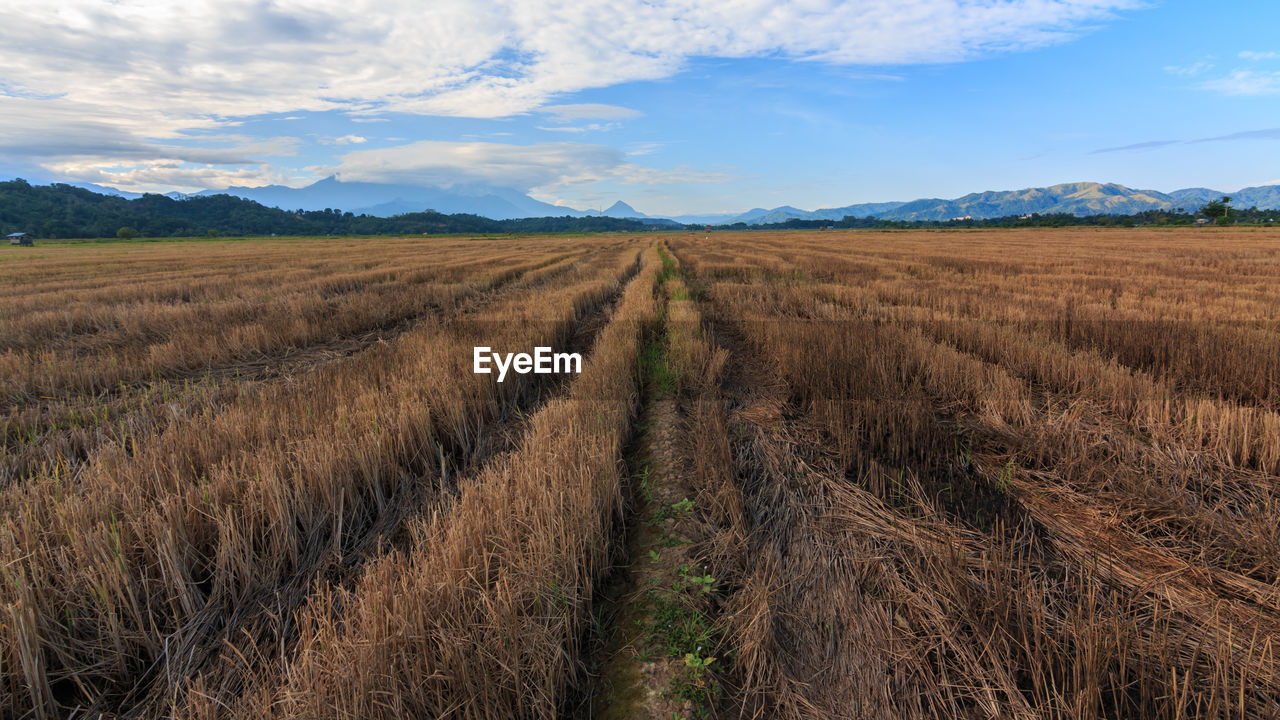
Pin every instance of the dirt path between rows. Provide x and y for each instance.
(632, 678)
(653, 647)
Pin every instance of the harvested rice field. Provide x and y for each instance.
(833, 474)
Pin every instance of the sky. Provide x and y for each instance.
(673, 106)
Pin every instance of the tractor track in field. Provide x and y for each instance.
(655, 606)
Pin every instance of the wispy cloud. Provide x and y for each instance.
(645, 148)
(1266, 134)
(589, 111)
(1246, 82)
(567, 115)
(590, 127)
(1189, 70)
(1263, 134)
(1137, 146)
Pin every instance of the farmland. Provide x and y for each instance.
(987, 474)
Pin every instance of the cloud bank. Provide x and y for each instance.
(106, 82)
(528, 168)
(475, 58)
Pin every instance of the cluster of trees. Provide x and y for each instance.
(63, 211)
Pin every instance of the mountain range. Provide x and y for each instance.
(498, 203)
(387, 200)
(1082, 198)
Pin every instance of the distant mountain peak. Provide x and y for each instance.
(623, 210)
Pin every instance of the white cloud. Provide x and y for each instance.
(589, 127)
(171, 175)
(567, 114)
(1246, 82)
(645, 148)
(1189, 70)
(589, 111)
(343, 140)
(476, 58)
(543, 167)
(442, 164)
(125, 84)
(61, 130)
(1239, 81)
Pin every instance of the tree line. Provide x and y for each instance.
(63, 211)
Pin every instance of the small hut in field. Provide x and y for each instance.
(20, 238)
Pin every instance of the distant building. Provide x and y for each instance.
(20, 239)
(1202, 221)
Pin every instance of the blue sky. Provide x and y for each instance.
(672, 106)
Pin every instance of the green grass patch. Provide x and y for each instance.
(677, 509)
(677, 629)
(656, 367)
(669, 268)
